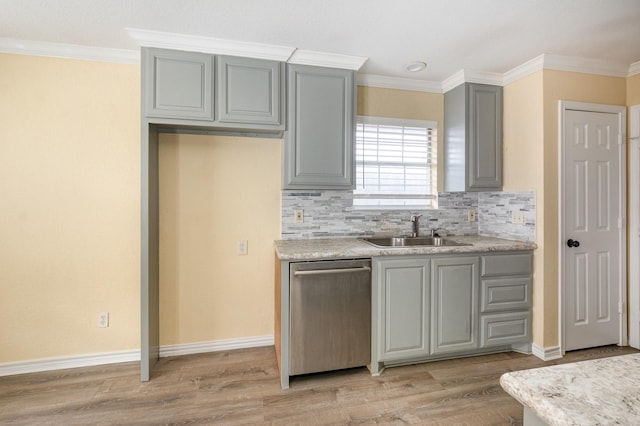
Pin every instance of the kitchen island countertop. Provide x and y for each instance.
(352, 248)
(596, 392)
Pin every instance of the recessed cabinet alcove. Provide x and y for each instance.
(201, 93)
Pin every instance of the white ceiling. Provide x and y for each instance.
(450, 35)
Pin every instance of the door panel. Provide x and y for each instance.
(591, 215)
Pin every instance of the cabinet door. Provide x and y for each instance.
(454, 296)
(484, 137)
(178, 84)
(249, 91)
(319, 149)
(403, 308)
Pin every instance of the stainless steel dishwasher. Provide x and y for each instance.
(330, 315)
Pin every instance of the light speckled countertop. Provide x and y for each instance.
(351, 248)
(603, 391)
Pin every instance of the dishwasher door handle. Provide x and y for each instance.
(331, 271)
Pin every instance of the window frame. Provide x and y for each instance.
(398, 201)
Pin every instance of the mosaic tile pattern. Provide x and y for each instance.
(495, 215)
(330, 214)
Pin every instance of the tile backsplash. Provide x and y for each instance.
(495, 215)
(330, 214)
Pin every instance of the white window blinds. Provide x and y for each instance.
(395, 162)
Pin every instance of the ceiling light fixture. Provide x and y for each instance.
(415, 66)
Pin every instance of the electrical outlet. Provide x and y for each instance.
(103, 319)
(298, 216)
(243, 247)
(517, 217)
(471, 215)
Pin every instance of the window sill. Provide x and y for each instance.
(390, 208)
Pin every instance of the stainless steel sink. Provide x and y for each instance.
(411, 241)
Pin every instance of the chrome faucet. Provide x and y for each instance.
(415, 225)
(434, 232)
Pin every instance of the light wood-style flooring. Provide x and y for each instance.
(242, 387)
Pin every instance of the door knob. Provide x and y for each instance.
(573, 243)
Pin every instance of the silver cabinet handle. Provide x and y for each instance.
(331, 271)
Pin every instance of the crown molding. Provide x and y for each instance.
(292, 55)
(454, 81)
(570, 64)
(68, 51)
(584, 65)
(534, 65)
(469, 76)
(483, 77)
(215, 46)
(323, 59)
(372, 80)
(634, 69)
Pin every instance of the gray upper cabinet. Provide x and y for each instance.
(178, 84)
(250, 91)
(319, 141)
(454, 302)
(213, 92)
(473, 138)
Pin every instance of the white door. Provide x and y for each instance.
(592, 222)
(634, 226)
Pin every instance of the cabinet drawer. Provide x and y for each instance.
(506, 294)
(507, 264)
(504, 329)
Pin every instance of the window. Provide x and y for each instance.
(395, 163)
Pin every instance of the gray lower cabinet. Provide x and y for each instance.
(442, 306)
(473, 138)
(454, 301)
(249, 91)
(319, 141)
(403, 297)
(177, 84)
(215, 92)
(505, 304)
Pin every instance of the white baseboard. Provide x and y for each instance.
(215, 346)
(546, 354)
(49, 364)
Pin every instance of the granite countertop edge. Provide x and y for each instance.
(352, 248)
(593, 392)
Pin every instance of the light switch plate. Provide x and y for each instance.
(471, 215)
(298, 216)
(243, 247)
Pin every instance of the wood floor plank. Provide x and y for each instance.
(242, 387)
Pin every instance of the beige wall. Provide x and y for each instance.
(69, 221)
(523, 166)
(214, 191)
(633, 90)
